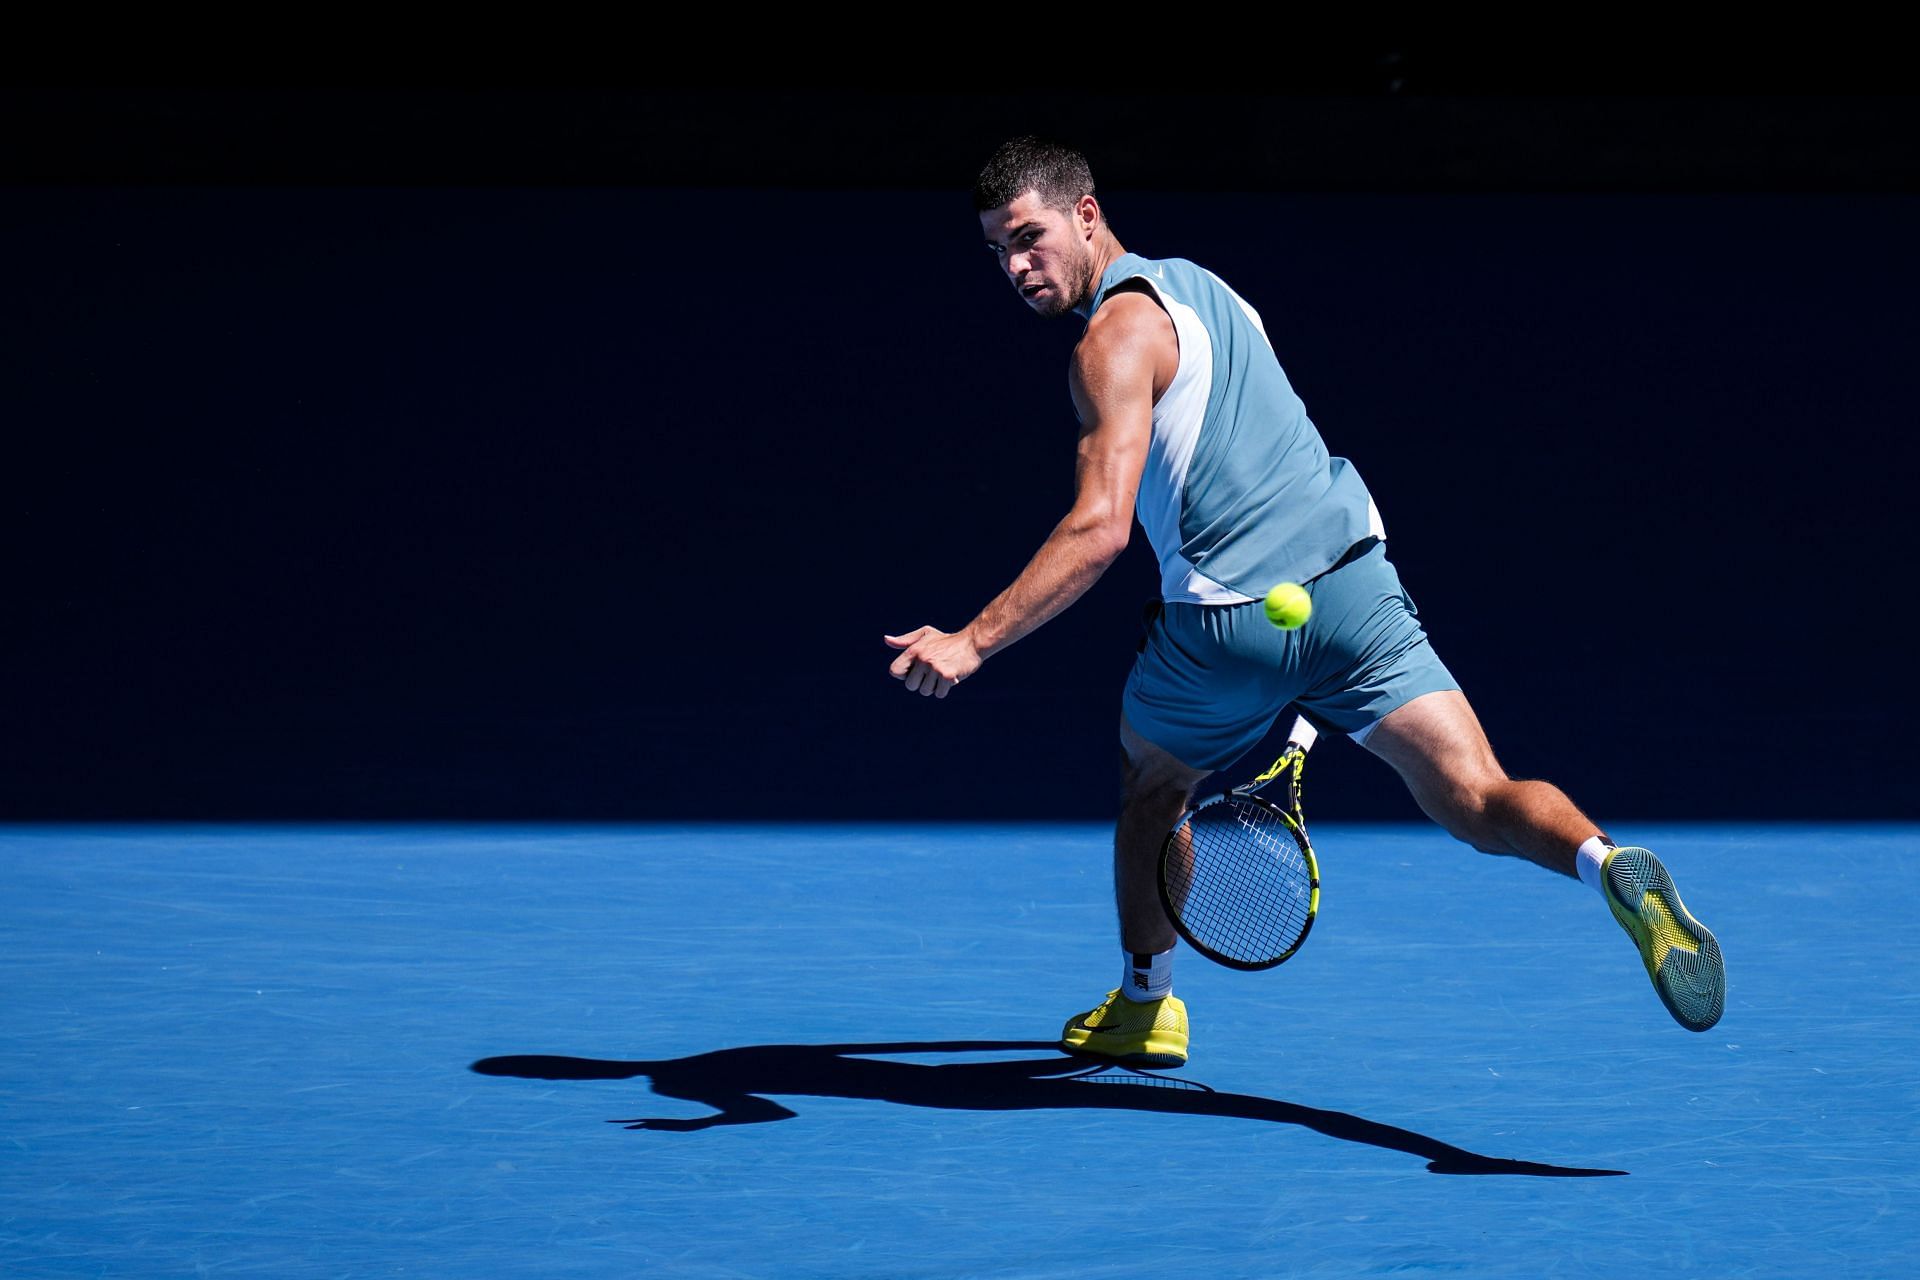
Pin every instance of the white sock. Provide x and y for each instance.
(1146, 977)
(1588, 859)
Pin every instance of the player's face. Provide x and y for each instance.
(1044, 252)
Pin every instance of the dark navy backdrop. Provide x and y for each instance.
(361, 502)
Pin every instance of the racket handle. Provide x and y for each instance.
(1302, 734)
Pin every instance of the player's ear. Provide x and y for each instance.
(1086, 212)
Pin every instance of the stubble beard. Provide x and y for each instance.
(1082, 289)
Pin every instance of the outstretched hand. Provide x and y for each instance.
(662, 1124)
(933, 660)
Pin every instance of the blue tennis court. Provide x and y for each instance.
(480, 1051)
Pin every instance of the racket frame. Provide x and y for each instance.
(1290, 764)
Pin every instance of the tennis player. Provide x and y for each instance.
(1189, 425)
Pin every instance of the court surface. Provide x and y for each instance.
(251, 1051)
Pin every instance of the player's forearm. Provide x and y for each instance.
(1070, 561)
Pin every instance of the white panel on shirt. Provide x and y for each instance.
(1176, 434)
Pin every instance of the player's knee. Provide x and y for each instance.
(1467, 808)
(1156, 790)
(1470, 826)
(1161, 793)
(1485, 813)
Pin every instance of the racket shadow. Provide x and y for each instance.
(736, 1083)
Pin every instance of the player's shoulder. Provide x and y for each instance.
(1129, 338)
(1130, 312)
(1128, 303)
(1130, 325)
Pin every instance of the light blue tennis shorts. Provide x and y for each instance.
(1211, 679)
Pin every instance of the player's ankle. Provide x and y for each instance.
(1146, 976)
(1589, 859)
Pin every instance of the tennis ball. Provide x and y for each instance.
(1288, 606)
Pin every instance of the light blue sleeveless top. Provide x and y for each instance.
(1238, 492)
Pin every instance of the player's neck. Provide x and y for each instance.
(1106, 251)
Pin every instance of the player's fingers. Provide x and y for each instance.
(916, 677)
(945, 687)
(901, 642)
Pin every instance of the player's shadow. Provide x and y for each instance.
(734, 1083)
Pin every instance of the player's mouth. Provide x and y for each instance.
(1032, 291)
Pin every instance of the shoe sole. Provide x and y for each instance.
(1143, 1059)
(1681, 954)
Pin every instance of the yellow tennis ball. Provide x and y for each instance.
(1288, 606)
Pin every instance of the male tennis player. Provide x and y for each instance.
(1189, 424)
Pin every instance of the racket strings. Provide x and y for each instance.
(1116, 1074)
(1246, 890)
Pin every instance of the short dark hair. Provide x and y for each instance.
(1056, 173)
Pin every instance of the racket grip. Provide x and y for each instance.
(1302, 734)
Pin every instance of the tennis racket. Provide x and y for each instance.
(1237, 874)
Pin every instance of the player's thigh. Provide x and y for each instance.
(1209, 683)
(1436, 745)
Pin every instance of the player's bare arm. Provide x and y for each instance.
(1127, 357)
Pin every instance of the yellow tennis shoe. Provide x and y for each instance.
(1681, 956)
(1151, 1034)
